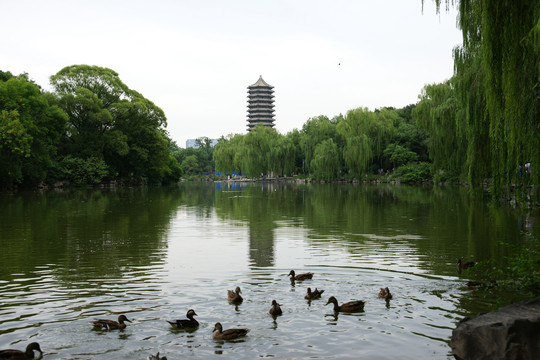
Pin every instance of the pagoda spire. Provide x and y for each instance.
(260, 104)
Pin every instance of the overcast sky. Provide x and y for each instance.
(195, 59)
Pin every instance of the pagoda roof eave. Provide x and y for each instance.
(260, 82)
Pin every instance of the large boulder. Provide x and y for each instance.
(512, 332)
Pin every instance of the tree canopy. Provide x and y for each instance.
(31, 126)
(91, 128)
(110, 122)
(497, 77)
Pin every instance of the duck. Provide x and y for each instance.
(234, 296)
(11, 354)
(300, 277)
(464, 265)
(351, 306)
(104, 324)
(384, 293)
(188, 323)
(229, 334)
(275, 310)
(156, 357)
(310, 295)
(473, 284)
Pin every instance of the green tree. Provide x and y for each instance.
(190, 165)
(314, 131)
(205, 152)
(399, 155)
(325, 163)
(15, 145)
(5, 75)
(109, 121)
(408, 135)
(295, 137)
(256, 154)
(284, 155)
(88, 125)
(436, 114)
(366, 134)
(226, 153)
(500, 44)
(84, 171)
(30, 128)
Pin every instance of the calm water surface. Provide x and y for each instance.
(152, 254)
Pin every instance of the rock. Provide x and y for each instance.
(512, 332)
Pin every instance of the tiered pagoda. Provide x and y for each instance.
(260, 104)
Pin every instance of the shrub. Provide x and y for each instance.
(413, 172)
(83, 171)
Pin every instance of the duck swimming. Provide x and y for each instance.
(234, 296)
(384, 293)
(300, 277)
(11, 354)
(104, 324)
(310, 295)
(189, 323)
(464, 265)
(275, 310)
(156, 357)
(351, 306)
(229, 334)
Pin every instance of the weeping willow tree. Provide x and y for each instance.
(436, 114)
(471, 119)
(365, 133)
(283, 155)
(501, 39)
(325, 163)
(226, 152)
(259, 152)
(315, 131)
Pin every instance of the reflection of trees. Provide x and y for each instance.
(260, 205)
(444, 221)
(199, 196)
(261, 244)
(90, 232)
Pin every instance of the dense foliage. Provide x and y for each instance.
(496, 91)
(195, 161)
(32, 126)
(91, 129)
(345, 147)
(479, 127)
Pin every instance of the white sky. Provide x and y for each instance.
(195, 59)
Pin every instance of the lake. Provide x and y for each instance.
(69, 257)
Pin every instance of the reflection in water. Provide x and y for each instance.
(152, 254)
(261, 245)
(257, 207)
(92, 233)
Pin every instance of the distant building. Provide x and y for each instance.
(260, 104)
(192, 143)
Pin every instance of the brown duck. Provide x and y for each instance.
(104, 324)
(11, 354)
(464, 265)
(316, 294)
(229, 334)
(189, 323)
(234, 296)
(275, 310)
(351, 306)
(300, 277)
(384, 293)
(156, 357)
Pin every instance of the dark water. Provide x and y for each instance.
(152, 254)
